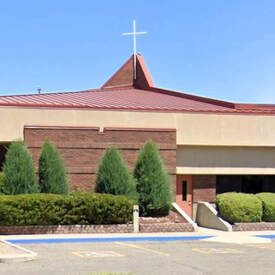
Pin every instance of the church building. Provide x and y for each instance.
(209, 146)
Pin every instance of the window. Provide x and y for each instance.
(245, 183)
(184, 190)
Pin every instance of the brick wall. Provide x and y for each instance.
(124, 76)
(105, 228)
(204, 188)
(66, 229)
(253, 226)
(82, 148)
(166, 227)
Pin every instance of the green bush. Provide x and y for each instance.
(55, 209)
(113, 176)
(19, 170)
(268, 201)
(52, 173)
(239, 207)
(153, 182)
(2, 179)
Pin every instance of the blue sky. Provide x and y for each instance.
(222, 49)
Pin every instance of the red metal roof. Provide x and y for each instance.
(140, 94)
(119, 98)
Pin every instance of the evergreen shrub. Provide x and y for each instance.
(113, 176)
(56, 209)
(19, 170)
(52, 173)
(153, 182)
(2, 179)
(268, 201)
(239, 207)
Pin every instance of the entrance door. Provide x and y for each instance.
(184, 196)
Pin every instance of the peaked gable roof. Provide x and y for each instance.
(123, 92)
(124, 76)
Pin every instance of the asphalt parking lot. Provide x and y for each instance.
(176, 257)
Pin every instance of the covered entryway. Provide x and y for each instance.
(184, 193)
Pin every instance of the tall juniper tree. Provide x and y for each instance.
(52, 172)
(153, 182)
(113, 176)
(19, 170)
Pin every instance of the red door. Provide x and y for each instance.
(184, 196)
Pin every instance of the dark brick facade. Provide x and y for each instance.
(82, 148)
(204, 188)
(125, 75)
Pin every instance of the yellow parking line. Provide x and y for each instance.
(201, 250)
(97, 254)
(205, 250)
(143, 248)
(78, 254)
(267, 246)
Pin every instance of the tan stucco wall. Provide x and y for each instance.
(208, 143)
(225, 129)
(225, 160)
(192, 128)
(13, 120)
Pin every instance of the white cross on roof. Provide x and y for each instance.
(134, 34)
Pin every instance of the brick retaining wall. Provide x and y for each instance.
(66, 229)
(253, 226)
(166, 227)
(106, 228)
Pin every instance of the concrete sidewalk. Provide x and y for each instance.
(202, 234)
(237, 237)
(107, 237)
